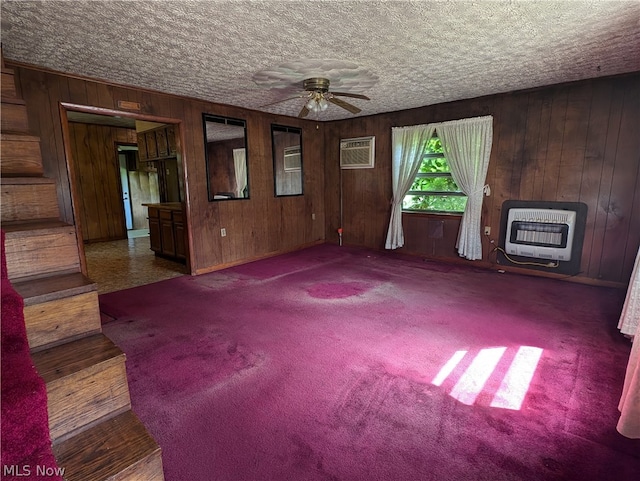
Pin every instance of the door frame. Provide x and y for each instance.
(65, 107)
(117, 153)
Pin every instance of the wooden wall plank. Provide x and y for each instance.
(576, 126)
(530, 164)
(554, 144)
(591, 179)
(98, 180)
(601, 204)
(623, 182)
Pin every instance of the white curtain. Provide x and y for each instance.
(467, 148)
(240, 164)
(409, 145)
(629, 422)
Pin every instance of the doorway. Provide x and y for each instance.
(139, 187)
(109, 186)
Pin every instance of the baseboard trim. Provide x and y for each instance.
(219, 267)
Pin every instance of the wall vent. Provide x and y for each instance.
(358, 153)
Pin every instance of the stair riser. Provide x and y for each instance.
(8, 86)
(29, 202)
(51, 323)
(14, 118)
(119, 448)
(21, 157)
(80, 399)
(32, 253)
(148, 469)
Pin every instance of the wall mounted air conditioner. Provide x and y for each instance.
(358, 153)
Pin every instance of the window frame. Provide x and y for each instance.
(427, 175)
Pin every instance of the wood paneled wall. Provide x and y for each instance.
(571, 142)
(262, 225)
(574, 142)
(97, 178)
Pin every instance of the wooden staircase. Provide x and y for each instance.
(95, 434)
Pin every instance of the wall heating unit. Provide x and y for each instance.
(542, 235)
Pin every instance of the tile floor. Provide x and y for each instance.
(126, 263)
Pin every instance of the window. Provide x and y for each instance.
(434, 189)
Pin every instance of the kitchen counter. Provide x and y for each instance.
(166, 205)
(167, 230)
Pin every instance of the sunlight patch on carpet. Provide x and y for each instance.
(475, 377)
(448, 368)
(515, 382)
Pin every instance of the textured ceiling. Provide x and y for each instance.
(402, 54)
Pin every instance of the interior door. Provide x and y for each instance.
(126, 196)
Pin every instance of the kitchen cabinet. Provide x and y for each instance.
(157, 144)
(167, 231)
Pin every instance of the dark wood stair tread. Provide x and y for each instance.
(113, 449)
(25, 180)
(26, 227)
(66, 359)
(44, 289)
(19, 136)
(11, 100)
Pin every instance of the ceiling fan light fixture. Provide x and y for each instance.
(318, 97)
(312, 105)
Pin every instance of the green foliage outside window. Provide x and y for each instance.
(434, 189)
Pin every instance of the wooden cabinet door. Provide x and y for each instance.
(142, 147)
(166, 233)
(171, 140)
(161, 142)
(152, 148)
(178, 235)
(154, 234)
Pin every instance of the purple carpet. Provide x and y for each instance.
(341, 364)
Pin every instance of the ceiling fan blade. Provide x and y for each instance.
(283, 100)
(355, 96)
(304, 112)
(341, 103)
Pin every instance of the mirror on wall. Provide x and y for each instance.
(287, 160)
(226, 158)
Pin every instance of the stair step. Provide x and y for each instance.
(40, 247)
(117, 449)
(14, 116)
(86, 381)
(58, 309)
(44, 289)
(28, 198)
(21, 154)
(8, 84)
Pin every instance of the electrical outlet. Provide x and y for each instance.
(487, 230)
(223, 232)
(313, 216)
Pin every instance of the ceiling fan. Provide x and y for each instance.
(316, 91)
